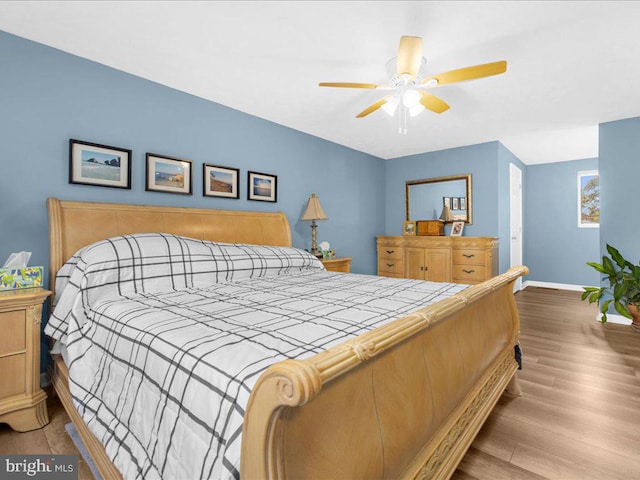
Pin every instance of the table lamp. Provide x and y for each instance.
(314, 212)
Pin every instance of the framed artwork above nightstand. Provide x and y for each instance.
(337, 264)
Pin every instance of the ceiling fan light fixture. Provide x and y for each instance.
(392, 105)
(416, 110)
(410, 98)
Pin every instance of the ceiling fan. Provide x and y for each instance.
(409, 82)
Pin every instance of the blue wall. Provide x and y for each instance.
(478, 160)
(619, 158)
(557, 250)
(488, 164)
(49, 96)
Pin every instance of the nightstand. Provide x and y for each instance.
(337, 264)
(22, 401)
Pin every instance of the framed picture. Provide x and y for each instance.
(463, 203)
(588, 199)
(95, 164)
(220, 181)
(456, 229)
(262, 187)
(446, 202)
(455, 203)
(168, 174)
(409, 228)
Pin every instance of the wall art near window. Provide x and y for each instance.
(409, 228)
(588, 199)
(220, 181)
(463, 203)
(262, 187)
(455, 203)
(95, 164)
(446, 202)
(168, 174)
(456, 229)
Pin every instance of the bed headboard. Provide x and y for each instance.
(72, 225)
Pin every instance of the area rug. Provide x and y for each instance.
(73, 433)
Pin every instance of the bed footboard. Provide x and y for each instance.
(403, 401)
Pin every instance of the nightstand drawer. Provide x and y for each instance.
(13, 375)
(388, 265)
(469, 273)
(13, 331)
(469, 257)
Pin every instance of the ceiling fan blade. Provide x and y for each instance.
(409, 56)
(348, 85)
(433, 103)
(372, 108)
(469, 73)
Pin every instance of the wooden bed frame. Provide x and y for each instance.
(402, 401)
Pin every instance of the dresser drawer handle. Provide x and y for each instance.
(390, 251)
(468, 271)
(390, 264)
(468, 256)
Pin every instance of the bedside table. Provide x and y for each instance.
(337, 264)
(22, 401)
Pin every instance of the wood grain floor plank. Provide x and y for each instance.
(571, 450)
(552, 466)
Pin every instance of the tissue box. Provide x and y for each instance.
(25, 277)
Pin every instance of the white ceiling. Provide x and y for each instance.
(571, 65)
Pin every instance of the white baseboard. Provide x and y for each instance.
(557, 286)
(614, 318)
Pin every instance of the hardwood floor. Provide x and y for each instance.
(578, 416)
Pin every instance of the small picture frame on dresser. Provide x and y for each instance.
(409, 228)
(456, 229)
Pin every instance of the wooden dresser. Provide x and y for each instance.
(468, 260)
(22, 401)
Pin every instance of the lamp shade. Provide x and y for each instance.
(446, 215)
(314, 210)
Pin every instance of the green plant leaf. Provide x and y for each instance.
(607, 264)
(597, 266)
(622, 310)
(617, 257)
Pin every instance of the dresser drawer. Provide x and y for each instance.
(389, 265)
(13, 331)
(469, 273)
(13, 375)
(390, 253)
(469, 257)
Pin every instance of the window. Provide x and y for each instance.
(588, 199)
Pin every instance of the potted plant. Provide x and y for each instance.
(624, 286)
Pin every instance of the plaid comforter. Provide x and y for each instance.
(167, 335)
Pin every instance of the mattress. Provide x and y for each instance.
(166, 337)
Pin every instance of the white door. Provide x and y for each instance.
(515, 207)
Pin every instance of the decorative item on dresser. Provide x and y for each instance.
(429, 227)
(468, 260)
(22, 401)
(337, 264)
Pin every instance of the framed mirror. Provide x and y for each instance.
(426, 198)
